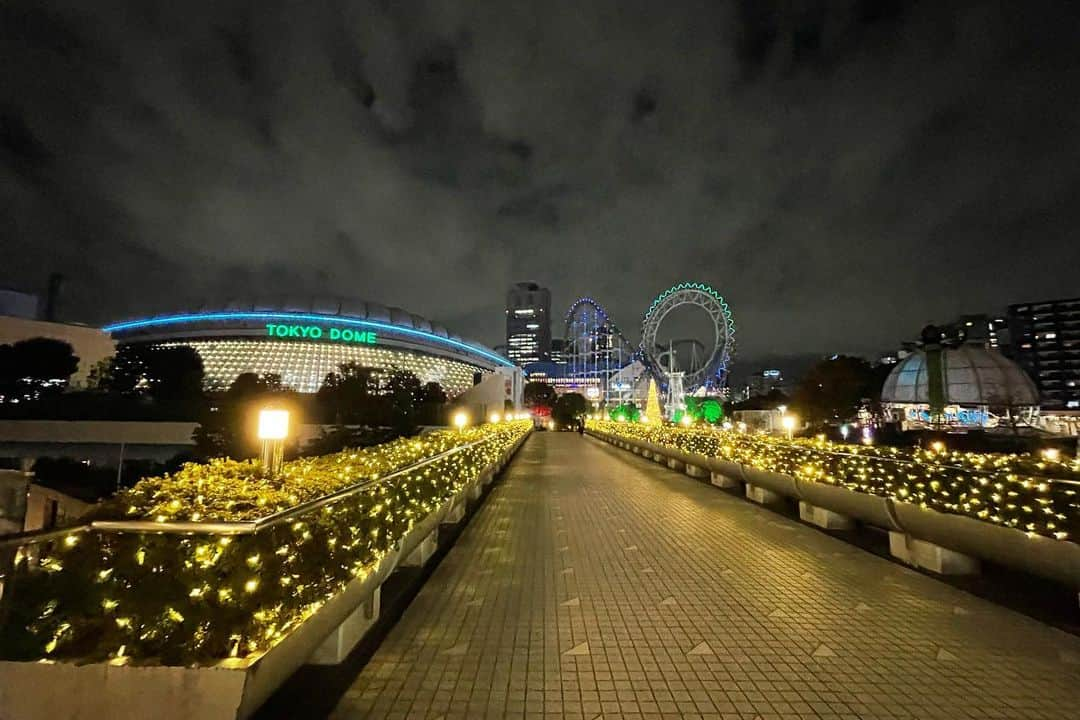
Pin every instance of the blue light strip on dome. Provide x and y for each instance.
(166, 320)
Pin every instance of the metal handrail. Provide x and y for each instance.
(241, 527)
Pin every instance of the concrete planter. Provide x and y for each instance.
(781, 484)
(232, 689)
(871, 509)
(920, 529)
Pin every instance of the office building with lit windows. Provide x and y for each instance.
(304, 341)
(1045, 340)
(528, 323)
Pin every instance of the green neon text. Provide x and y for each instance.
(317, 332)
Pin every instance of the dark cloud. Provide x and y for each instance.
(844, 172)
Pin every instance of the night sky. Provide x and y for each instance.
(843, 172)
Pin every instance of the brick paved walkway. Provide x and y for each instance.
(593, 583)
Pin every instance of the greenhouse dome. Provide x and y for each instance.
(978, 385)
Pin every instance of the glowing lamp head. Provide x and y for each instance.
(273, 424)
(788, 422)
(686, 421)
(461, 419)
(494, 417)
(937, 446)
(1051, 454)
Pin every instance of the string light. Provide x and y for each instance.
(1023, 495)
(198, 599)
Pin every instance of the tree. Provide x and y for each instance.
(35, 367)
(226, 427)
(833, 390)
(174, 376)
(569, 408)
(347, 396)
(431, 404)
(538, 394)
(401, 390)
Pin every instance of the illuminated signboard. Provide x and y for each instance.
(952, 416)
(318, 332)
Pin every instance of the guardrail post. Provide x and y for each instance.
(927, 555)
(676, 464)
(823, 518)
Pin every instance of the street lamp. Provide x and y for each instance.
(461, 419)
(686, 421)
(1052, 454)
(845, 430)
(273, 429)
(788, 422)
(495, 417)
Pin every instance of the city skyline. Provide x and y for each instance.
(840, 177)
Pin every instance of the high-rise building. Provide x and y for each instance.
(558, 351)
(528, 323)
(1045, 340)
(764, 382)
(987, 330)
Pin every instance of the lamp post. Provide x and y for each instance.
(273, 429)
(788, 422)
(461, 419)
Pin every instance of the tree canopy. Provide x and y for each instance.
(569, 408)
(35, 367)
(833, 389)
(537, 394)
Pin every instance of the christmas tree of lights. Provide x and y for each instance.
(652, 404)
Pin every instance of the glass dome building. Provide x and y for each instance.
(964, 386)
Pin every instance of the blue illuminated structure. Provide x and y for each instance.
(165, 321)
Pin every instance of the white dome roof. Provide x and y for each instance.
(971, 374)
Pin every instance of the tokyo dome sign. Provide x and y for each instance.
(319, 332)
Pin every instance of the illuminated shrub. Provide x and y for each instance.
(1017, 491)
(182, 599)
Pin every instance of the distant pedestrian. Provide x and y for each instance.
(581, 427)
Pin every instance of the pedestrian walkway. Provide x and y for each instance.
(593, 583)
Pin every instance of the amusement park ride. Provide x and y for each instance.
(599, 355)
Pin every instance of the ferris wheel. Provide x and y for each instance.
(707, 367)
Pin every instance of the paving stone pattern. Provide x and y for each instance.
(594, 583)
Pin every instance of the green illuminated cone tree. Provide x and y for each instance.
(652, 404)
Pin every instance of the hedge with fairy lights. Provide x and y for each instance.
(196, 599)
(1025, 492)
